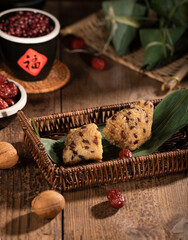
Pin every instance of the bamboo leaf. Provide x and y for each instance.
(110, 151)
(170, 115)
(162, 45)
(128, 21)
(174, 11)
(124, 15)
(35, 128)
(54, 149)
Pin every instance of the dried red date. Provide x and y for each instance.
(9, 101)
(3, 104)
(8, 92)
(13, 88)
(5, 91)
(77, 43)
(3, 79)
(115, 198)
(125, 153)
(98, 63)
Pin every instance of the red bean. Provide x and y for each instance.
(26, 24)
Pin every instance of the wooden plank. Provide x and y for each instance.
(20, 184)
(89, 87)
(153, 209)
(72, 11)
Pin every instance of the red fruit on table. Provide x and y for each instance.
(125, 153)
(3, 104)
(98, 63)
(115, 198)
(77, 43)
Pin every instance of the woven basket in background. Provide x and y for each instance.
(95, 35)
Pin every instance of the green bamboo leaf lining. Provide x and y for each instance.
(170, 115)
(35, 128)
(54, 149)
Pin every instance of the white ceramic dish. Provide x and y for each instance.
(18, 105)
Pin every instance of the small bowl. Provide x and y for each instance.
(8, 114)
(30, 59)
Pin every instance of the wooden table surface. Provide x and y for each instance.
(155, 208)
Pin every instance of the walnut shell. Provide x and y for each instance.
(8, 155)
(48, 204)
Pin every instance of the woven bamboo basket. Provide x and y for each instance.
(170, 158)
(96, 34)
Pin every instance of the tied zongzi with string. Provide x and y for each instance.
(169, 39)
(163, 40)
(161, 46)
(121, 18)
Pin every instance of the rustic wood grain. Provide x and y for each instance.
(20, 184)
(89, 87)
(154, 208)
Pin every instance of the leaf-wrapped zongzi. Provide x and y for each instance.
(174, 11)
(162, 45)
(122, 22)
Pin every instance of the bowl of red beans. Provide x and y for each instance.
(28, 42)
(13, 98)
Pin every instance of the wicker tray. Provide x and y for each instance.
(170, 158)
(95, 36)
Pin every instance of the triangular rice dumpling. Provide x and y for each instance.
(124, 33)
